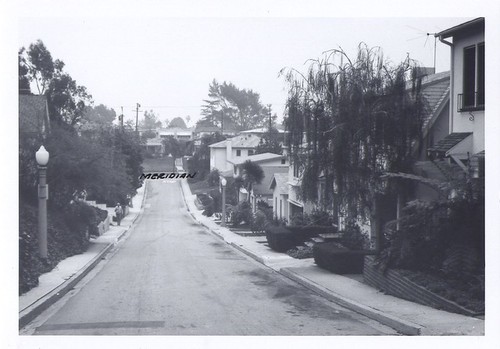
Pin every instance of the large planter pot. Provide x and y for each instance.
(394, 283)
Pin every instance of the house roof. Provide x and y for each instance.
(448, 142)
(279, 182)
(153, 142)
(175, 131)
(33, 114)
(256, 158)
(240, 141)
(476, 24)
(207, 129)
(263, 130)
(264, 187)
(436, 91)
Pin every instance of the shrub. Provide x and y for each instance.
(242, 213)
(259, 222)
(281, 239)
(353, 238)
(213, 178)
(339, 261)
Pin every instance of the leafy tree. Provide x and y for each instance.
(99, 115)
(177, 122)
(270, 142)
(24, 81)
(229, 104)
(66, 99)
(252, 174)
(172, 146)
(353, 121)
(200, 161)
(150, 121)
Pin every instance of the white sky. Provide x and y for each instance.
(166, 64)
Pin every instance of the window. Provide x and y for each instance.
(238, 152)
(472, 96)
(250, 152)
(283, 161)
(296, 170)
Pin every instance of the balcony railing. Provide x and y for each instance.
(470, 102)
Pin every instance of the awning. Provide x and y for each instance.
(296, 203)
(457, 144)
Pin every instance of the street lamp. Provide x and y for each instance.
(223, 183)
(42, 158)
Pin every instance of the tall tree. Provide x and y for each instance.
(353, 121)
(252, 174)
(100, 115)
(150, 121)
(270, 142)
(66, 99)
(228, 104)
(177, 122)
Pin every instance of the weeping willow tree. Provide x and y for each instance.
(349, 122)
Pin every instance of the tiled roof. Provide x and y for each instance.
(241, 141)
(269, 172)
(449, 142)
(256, 158)
(33, 114)
(280, 183)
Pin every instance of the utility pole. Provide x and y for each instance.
(137, 117)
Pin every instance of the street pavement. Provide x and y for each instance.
(170, 276)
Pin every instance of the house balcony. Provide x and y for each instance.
(470, 102)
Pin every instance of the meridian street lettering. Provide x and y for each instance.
(163, 175)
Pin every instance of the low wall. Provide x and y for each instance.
(392, 282)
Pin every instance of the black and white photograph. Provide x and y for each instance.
(295, 177)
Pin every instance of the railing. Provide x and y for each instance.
(470, 102)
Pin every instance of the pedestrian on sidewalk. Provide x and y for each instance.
(118, 213)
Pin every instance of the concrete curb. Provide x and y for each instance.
(35, 309)
(402, 326)
(29, 313)
(249, 253)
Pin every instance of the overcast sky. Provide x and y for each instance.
(166, 64)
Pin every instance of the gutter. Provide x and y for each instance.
(452, 72)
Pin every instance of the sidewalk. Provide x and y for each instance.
(56, 283)
(350, 292)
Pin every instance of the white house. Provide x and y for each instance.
(279, 186)
(239, 147)
(181, 134)
(264, 159)
(465, 142)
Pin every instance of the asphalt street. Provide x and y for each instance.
(170, 276)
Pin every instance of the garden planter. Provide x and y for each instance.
(339, 261)
(393, 283)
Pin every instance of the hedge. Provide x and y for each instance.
(67, 234)
(281, 239)
(329, 256)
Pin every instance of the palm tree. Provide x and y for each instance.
(252, 174)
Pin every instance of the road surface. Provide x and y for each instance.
(169, 276)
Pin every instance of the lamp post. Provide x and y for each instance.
(42, 158)
(223, 183)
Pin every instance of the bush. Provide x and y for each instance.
(353, 238)
(281, 239)
(259, 222)
(339, 261)
(242, 213)
(213, 178)
(67, 235)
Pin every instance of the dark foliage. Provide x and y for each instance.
(68, 234)
(337, 260)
